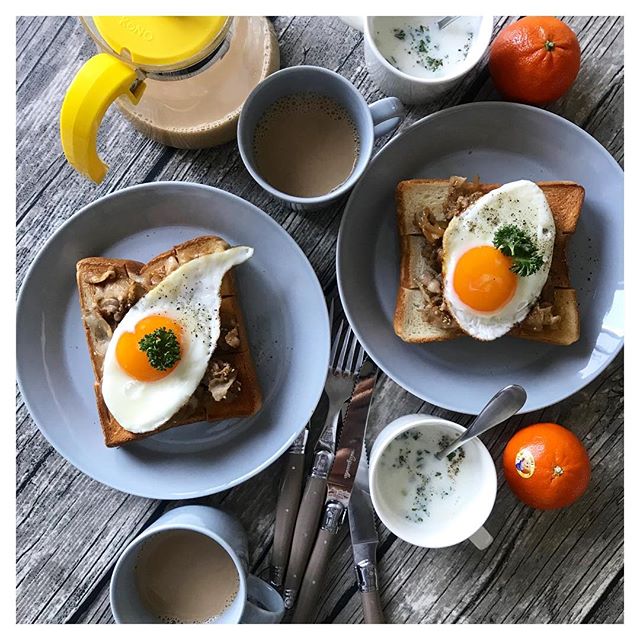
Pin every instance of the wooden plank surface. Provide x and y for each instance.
(564, 566)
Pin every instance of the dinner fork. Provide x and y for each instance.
(345, 360)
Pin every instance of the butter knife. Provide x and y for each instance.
(287, 508)
(339, 486)
(364, 542)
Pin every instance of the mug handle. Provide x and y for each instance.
(264, 604)
(481, 539)
(387, 115)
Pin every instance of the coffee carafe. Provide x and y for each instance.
(180, 80)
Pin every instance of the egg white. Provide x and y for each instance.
(190, 295)
(523, 204)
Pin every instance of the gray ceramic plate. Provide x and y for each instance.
(500, 142)
(286, 318)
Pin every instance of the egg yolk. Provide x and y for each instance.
(483, 278)
(133, 359)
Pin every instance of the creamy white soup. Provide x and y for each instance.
(422, 490)
(416, 45)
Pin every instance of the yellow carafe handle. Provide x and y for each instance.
(98, 83)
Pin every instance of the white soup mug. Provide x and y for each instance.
(412, 89)
(467, 525)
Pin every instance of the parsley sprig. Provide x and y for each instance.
(520, 247)
(162, 348)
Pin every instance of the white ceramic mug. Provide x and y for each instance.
(411, 89)
(256, 601)
(468, 525)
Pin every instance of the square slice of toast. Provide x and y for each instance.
(108, 287)
(412, 324)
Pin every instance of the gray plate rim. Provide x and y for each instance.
(23, 292)
(380, 158)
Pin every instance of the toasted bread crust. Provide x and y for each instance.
(97, 278)
(565, 199)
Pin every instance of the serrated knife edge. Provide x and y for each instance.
(341, 480)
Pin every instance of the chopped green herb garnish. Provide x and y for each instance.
(400, 34)
(433, 63)
(162, 348)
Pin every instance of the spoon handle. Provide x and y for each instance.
(506, 403)
(446, 21)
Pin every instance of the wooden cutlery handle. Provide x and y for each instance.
(286, 513)
(367, 576)
(303, 536)
(314, 577)
(372, 607)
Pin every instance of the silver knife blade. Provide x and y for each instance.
(345, 465)
(362, 524)
(361, 516)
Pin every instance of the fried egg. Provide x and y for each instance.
(483, 294)
(142, 397)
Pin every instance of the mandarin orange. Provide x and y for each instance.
(534, 60)
(546, 466)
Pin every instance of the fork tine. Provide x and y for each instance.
(343, 351)
(331, 315)
(334, 346)
(360, 359)
(352, 352)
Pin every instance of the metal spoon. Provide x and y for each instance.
(446, 21)
(502, 406)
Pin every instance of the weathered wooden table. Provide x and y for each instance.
(560, 566)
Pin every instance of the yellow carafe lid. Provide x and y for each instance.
(132, 48)
(161, 41)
